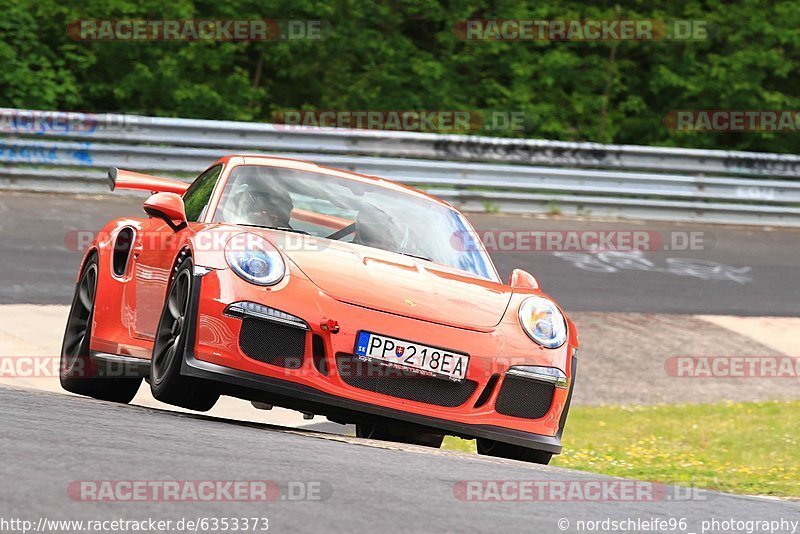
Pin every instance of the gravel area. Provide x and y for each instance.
(623, 355)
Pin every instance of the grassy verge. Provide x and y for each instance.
(748, 448)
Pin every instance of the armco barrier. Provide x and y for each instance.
(70, 152)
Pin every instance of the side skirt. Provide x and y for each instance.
(118, 366)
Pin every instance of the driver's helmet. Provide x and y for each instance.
(375, 228)
(266, 207)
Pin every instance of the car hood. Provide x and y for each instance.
(400, 285)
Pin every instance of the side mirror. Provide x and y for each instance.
(523, 280)
(169, 207)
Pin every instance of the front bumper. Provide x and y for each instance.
(216, 356)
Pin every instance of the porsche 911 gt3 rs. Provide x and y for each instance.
(333, 293)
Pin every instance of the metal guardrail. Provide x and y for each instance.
(72, 152)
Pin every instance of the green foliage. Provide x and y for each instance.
(386, 55)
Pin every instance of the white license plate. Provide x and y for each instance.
(423, 359)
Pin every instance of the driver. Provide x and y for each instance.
(267, 208)
(375, 228)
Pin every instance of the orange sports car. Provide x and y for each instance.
(324, 291)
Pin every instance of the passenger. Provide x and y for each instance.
(375, 228)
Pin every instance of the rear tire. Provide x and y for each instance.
(77, 372)
(166, 382)
(488, 447)
(399, 435)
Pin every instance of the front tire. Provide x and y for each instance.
(166, 382)
(77, 372)
(488, 447)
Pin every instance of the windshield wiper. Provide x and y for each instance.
(283, 228)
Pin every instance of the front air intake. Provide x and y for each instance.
(524, 397)
(273, 343)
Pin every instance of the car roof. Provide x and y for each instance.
(304, 165)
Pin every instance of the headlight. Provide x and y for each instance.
(543, 322)
(255, 259)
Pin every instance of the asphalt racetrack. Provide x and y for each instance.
(53, 443)
(358, 485)
(737, 271)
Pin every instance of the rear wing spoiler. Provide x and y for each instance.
(121, 179)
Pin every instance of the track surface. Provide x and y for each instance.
(370, 488)
(36, 267)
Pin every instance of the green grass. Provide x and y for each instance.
(747, 448)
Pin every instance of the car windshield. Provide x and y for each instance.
(351, 211)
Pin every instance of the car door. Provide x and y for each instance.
(155, 252)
